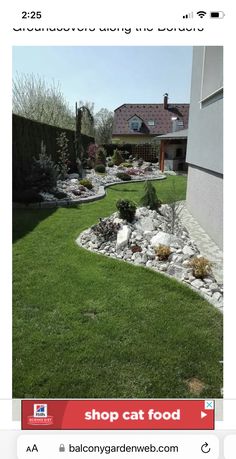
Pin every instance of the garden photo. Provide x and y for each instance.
(117, 157)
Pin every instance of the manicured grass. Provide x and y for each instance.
(90, 326)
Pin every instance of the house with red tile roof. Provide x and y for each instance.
(140, 123)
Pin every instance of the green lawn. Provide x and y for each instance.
(90, 326)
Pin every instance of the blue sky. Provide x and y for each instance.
(110, 76)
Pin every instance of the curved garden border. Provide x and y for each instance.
(203, 295)
(67, 202)
(101, 194)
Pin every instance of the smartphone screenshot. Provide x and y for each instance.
(117, 236)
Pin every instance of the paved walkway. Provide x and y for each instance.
(206, 245)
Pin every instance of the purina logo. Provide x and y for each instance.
(40, 416)
(40, 410)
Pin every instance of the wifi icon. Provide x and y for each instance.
(201, 14)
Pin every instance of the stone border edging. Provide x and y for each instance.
(191, 287)
(67, 203)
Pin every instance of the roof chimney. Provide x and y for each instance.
(166, 101)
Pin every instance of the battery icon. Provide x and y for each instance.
(217, 14)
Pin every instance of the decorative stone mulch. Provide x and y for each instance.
(74, 191)
(148, 230)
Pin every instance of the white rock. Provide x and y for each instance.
(214, 287)
(176, 271)
(185, 263)
(151, 254)
(216, 296)
(149, 264)
(165, 239)
(118, 221)
(145, 224)
(197, 283)
(188, 251)
(139, 237)
(208, 280)
(138, 260)
(148, 235)
(123, 237)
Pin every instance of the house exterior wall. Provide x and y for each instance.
(205, 141)
(205, 201)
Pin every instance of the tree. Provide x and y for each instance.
(33, 98)
(103, 126)
(87, 122)
(80, 153)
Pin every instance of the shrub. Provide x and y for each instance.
(134, 171)
(106, 230)
(86, 183)
(60, 194)
(92, 151)
(126, 165)
(150, 198)
(163, 252)
(127, 209)
(110, 164)
(123, 176)
(117, 157)
(136, 248)
(27, 196)
(101, 156)
(100, 168)
(63, 155)
(201, 267)
(44, 172)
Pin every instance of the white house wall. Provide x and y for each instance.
(205, 142)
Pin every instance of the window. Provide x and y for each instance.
(212, 75)
(135, 125)
(151, 123)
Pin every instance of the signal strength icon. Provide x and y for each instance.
(188, 16)
(201, 14)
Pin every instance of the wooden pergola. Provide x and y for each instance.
(165, 139)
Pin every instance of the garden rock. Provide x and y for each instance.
(165, 239)
(182, 248)
(188, 251)
(145, 224)
(197, 283)
(123, 237)
(176, 271)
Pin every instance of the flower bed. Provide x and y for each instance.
(145, 242)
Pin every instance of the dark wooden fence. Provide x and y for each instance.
(27, 136)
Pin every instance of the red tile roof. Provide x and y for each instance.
(147, 112)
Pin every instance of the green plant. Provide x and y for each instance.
(63, 155)
(163, 251)
(126, 165)
(106, 230)
(86, 183)
(150, 198)
(123, 176)
(101, 156)
(44, 172)
(100, 168)
(201, 267)
(110, 164)
(27, 196)
(127, 209)
(117, 157)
